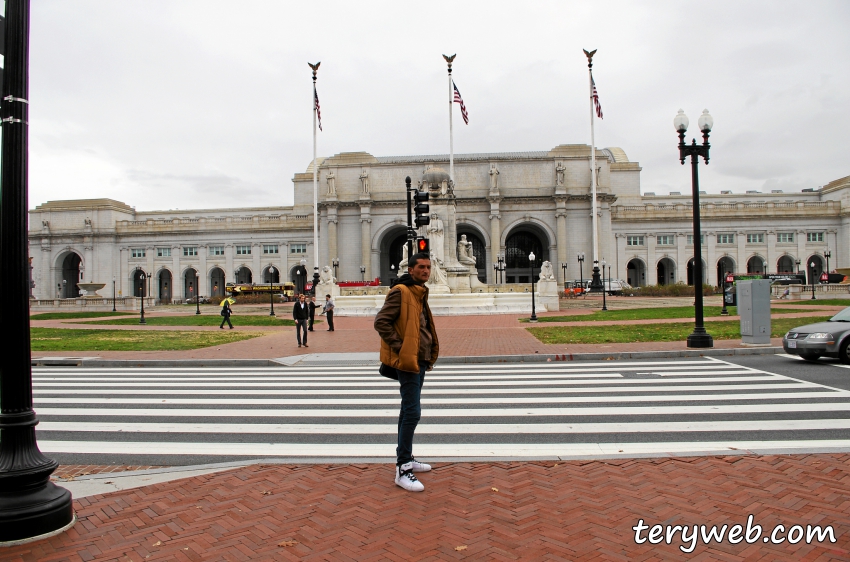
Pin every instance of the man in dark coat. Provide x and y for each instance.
(226, 312)
(301, 313)
(313, 306)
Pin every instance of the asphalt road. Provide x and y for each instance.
(828, 372)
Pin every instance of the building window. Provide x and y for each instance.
(243, 250)
(298, 248)
(270, 248)
(784, 237)
(691, 239)
(814, 237)
(725, 238)
(665, 240)
(634, 240)
(190, 251)
(216, 250)
(163, 252)
(755, 238)
(137, 252)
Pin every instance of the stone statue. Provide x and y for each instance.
(559, 174)
(494, 177)
(546, 271)
(402, 265)
(326, 276)
(435, 235)
(438, 274)
(364, 180)
(331, 183)
(464, 251)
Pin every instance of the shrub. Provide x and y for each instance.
(673, 290)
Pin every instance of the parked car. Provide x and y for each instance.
(813, 341)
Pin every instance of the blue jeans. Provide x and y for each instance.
(299, 326)
(410, 388)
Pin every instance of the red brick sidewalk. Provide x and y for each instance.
(576, 510)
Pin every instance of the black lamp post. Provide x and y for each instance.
(604, 302)
(827, 254)
(564, 267)
(197, 293)
(30, 505)
(336, 266)
(113, 294)
(581, 271)
(303, 263)
(812, 279)
(142, 290)
(723, 311)
(500, 267)
(271, 292)
(797, 263)
(533, 310)
(699, 338)
(363, 273)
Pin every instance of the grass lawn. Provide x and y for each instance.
(678, 331)
(65, 315)
(821, 301)
(202, 320)
(58, 339)
(649, 313)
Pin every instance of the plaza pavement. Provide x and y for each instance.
(535, 510)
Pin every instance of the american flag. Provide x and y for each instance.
(318, 109)
(459, 100)
(595, 96)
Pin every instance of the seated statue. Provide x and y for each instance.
(546, 272)
(325, 276)
(464, 251)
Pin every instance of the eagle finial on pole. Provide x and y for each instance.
(589, 57)
(449, 60)
(315, 67)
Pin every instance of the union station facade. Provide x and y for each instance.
(507, 204)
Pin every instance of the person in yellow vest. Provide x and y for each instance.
(409, 348)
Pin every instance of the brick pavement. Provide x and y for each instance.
(572, 510)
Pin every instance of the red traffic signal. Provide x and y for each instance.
(730, 279)
(422, 246)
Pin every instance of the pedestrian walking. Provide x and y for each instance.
(301, 314)
(226, 312)
(409, 348)
(313, 306)
(328, 310)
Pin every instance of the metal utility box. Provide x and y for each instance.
(754, 307)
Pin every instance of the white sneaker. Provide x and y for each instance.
(404, 477)
(420, 466)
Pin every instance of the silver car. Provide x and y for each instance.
(813, 341)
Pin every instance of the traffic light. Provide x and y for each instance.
(421, 208)
(422, 246)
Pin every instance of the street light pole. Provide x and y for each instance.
(812, 279)
(604, 302)
(142, 290)
(699, 338)
(723, 311)
(336, 267)
(827, 254)
(581, 272)
(197, 293)
(564, 267)
(271, 292)
(363, 273)
(113, 294)
(531, 265)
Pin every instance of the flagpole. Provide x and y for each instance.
(315, 187)
(596, 282)
(451, 126)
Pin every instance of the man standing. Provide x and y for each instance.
(328, 310)
(300, 313)
(226, 312)
(409, 347)
(313, 306)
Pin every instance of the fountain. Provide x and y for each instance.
(89, 290)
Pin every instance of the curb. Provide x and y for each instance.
(317, 361)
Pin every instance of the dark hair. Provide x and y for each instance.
(415, 258)
(328, 296)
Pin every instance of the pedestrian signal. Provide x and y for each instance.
(422, 246)
(421, 208)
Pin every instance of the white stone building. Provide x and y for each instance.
(506, 203)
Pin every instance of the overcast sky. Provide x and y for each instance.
(204, 104)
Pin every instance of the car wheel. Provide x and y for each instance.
(810, 356)
(844, 353)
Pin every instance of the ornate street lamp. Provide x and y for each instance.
(797, 263)
(812, 279)
(113, 294)
(336, 266)
(723, 311)
(142, 290)
(531, 265)
(499, 266)
(604, 302)
(363, 273)
(564, 267)
(581, 272)
(303, 263)
(699, 338)
(827, 254)
(271, 292)
(197, 293)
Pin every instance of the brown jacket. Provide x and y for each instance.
(399, 323)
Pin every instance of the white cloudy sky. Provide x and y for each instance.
(198, 104)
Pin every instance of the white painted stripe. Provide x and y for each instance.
(425, 450)
(639, 385)
(451, 412)
(789, 356)
(79, 401)
(450, 429)
(712, 372)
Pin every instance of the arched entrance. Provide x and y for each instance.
(217, 282)
(635, 273)
(298, 276)
(166, 286)
(518, 245)
(666, 271)
(756, 265)
(70, 277)
(691, 272)
(392, 246)
(819, 268)
(786, 264)
(190, 284)
(140, 283)
(244, 275)
(725, 265)
(269, 277)
(479, 250)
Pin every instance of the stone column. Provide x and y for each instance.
(256, 263)
(711, 257)
(366, 240)
(45, 287)
(495, 236)
(621, 262)
(333, 240)
(229, 273)
(203, 287)
(741, 249)
(772, 258)
(124, 273)
(561, 227)
(682, 257)
(176, 274)
(801, 252)
(149, 265)
(89, 261)
(651, 269)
